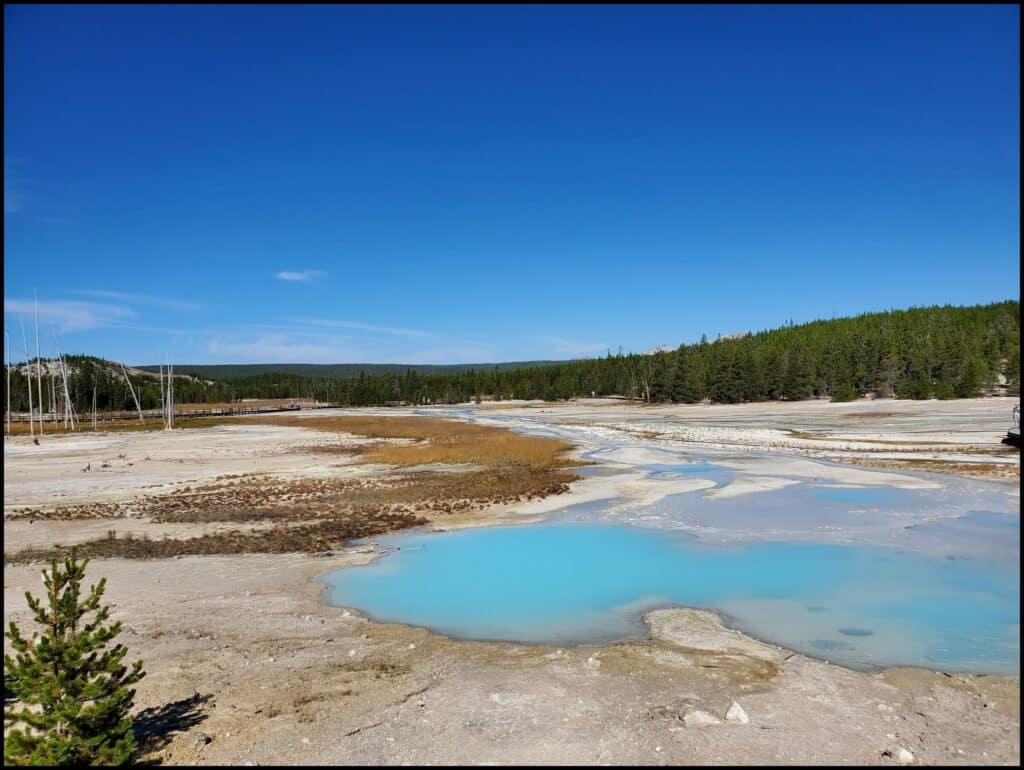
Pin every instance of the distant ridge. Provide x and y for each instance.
(240, 371)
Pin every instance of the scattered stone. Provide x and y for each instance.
(901, 755)
(351, 653)
(735, 713)
(200, 739)
(700, 719)
(657, 748)
(593, 663)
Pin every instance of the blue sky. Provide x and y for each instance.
(435, 185)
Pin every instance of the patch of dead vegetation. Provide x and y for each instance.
(436, 440)
(937, 445)
(327, 535)
(321, 513)
(980, 470)
(886, 445)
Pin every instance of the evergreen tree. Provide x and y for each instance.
(844, 392)
(971, 380)
(73, 692)
(1013, 370)
(944, 389)
(797, 381)
(693, 387)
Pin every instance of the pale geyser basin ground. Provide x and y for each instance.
(253, 631)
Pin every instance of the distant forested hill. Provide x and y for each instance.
(333, 371)
(927, 352)
(941, 352)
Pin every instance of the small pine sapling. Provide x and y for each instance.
(72, 692)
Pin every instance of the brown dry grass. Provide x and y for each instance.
(437, 441)
(809, 436)
(315, 537)
(315, 514)
(983, 471)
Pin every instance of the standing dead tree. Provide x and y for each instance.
(129, 381)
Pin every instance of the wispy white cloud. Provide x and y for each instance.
(280, 348)
(330, 324)
(256, 343)
(573, 348)
(141, 299)
(300, 276)
(70, 315)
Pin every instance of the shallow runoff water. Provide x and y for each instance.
(865, 576)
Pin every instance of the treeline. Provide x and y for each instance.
(334, 371)
(934, 352)
(941, 352)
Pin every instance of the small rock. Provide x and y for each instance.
(593, 663)
(657, 748)
(305, 740)
(351, 653)
(900, 754)
(736, 713)
(700, 719)
(412, 646)
(200, 739)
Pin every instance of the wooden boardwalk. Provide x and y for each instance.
(155, 414)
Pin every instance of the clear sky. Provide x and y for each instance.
(450, 184)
